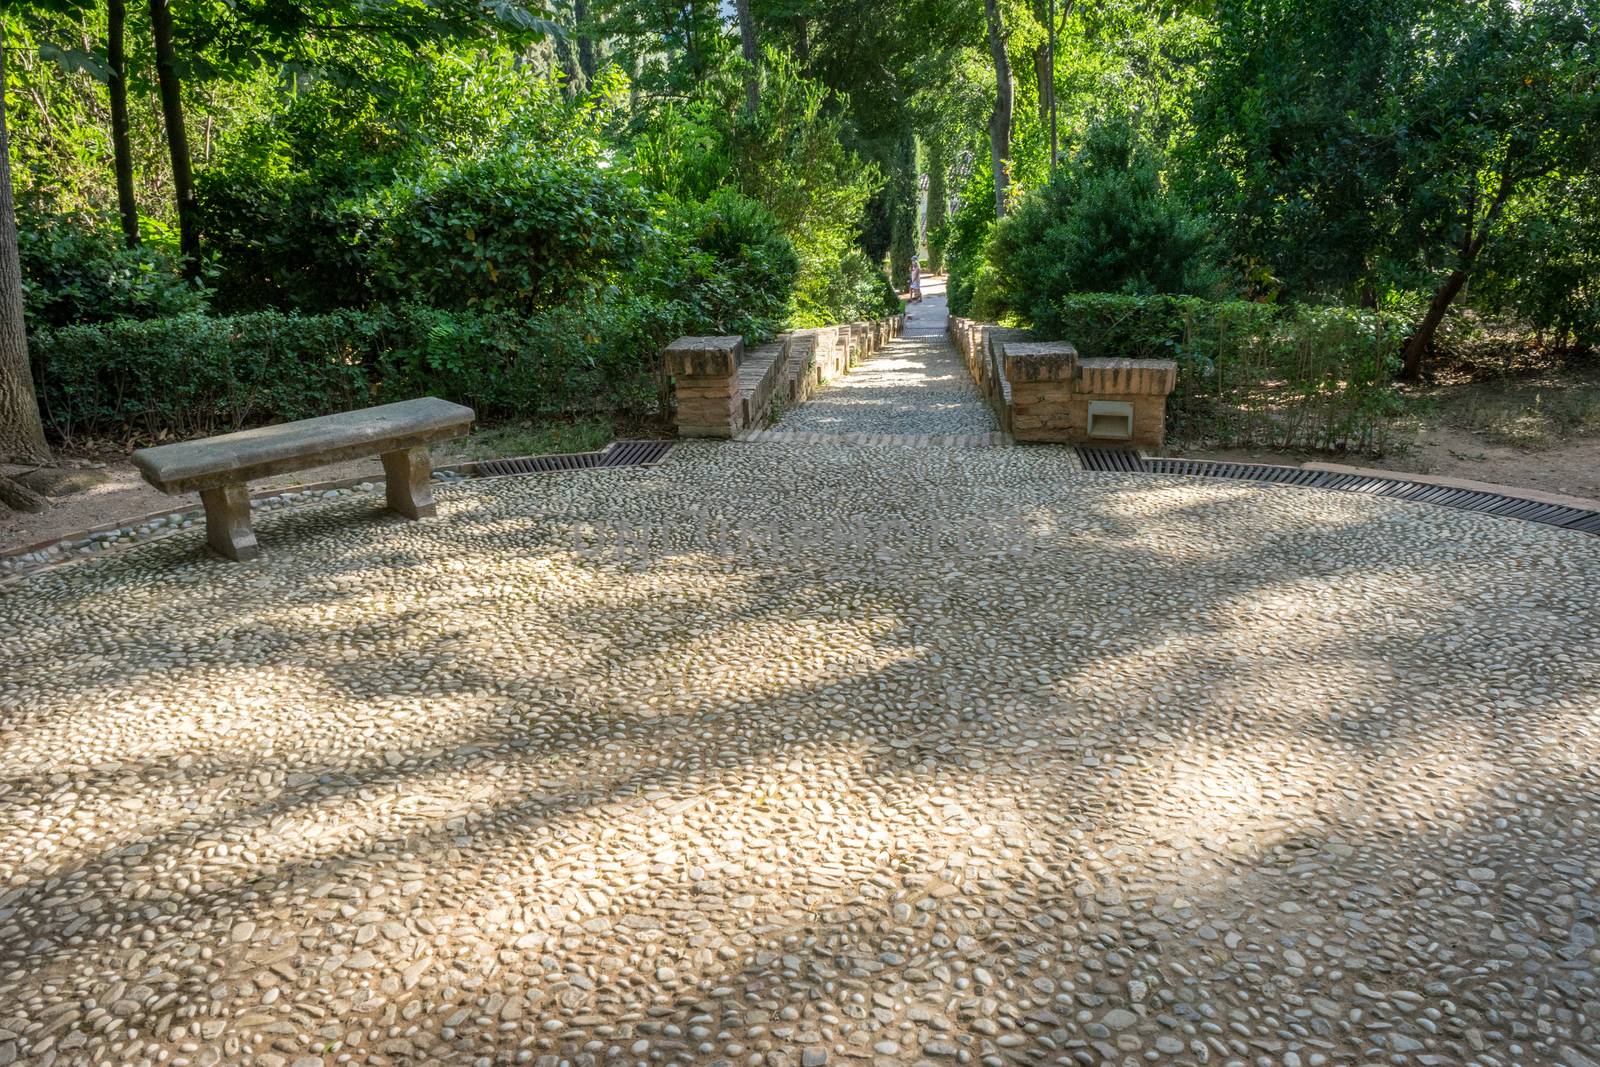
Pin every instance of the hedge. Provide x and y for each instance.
(196, 375)
(1252, 374)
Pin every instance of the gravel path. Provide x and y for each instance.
(915, 385)
(1007, 764)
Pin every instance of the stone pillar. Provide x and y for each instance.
(1138, 386)
(1041, 377)
(706, 375)
(1055, 396)
(228, 529)
(408, 482)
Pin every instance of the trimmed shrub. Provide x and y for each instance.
(194, 375)
(578, 357)
(1252, 374)
(517, 231)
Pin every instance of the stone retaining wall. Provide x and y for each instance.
(1044, 391)
(721, 389)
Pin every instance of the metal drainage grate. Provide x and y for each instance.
(616, 454)
(1121, 459)
(1125, 460)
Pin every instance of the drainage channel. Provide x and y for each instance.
(616, 454)
(1124, 460)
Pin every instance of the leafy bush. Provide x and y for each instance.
(1545, 268)
(1106, 223)
(195, 375)
(1252, 374)
(967, 235)
(517, 231)
(75, 268)
(856, 289)
(725, 267)
(302, 242)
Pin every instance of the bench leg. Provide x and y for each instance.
(228, 522)
(408, 481)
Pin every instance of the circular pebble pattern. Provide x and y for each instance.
(988, 761)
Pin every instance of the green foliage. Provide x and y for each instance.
(193, 375)
(1359, 146)
(1106, 223)
(292, 243)
(581, 356)
(1546, 270)
(517, 230)
(1252, 374)
(791, 158)
(724, 267)
(76, 268)
(938, 206)
(967, 239)
(857, 289)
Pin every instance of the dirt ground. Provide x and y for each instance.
(1530, 426)
(1570, 469)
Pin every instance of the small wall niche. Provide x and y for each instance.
(1110, 420)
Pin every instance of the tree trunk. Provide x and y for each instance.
(1000, 118)
(752, 56)
(177, 134)
(1041, 76)
(586, 57)
(567, 56)
(802, 41)
(1421, 340)
(21, 431)
(121, 148)
(1422, 337)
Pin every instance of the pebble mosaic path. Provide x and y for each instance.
(994, 762)
(914, 386)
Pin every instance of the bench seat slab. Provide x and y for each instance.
(239, 458)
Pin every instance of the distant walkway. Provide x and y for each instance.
(916, 386)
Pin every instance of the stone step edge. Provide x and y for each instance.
(993, 439)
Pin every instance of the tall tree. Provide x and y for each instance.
(21, 431)
(752, 56)
(1000, 117)
(586, 43)
(121, 147)
(177, 134)
(938, 204)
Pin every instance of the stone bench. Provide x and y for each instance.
(220, 467)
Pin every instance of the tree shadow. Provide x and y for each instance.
(1080, 810)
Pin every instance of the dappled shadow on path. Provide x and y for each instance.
(1025, 752)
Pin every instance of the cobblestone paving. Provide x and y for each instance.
(915, 385)
(994, 763)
